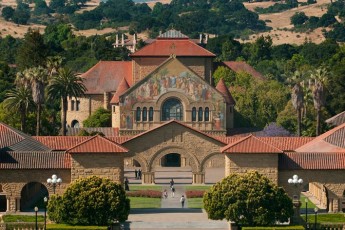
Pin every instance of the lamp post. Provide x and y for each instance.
(54, 181)
(315, 221)
(296, 202)
(306, 213)
(36, 210)
(45, 199)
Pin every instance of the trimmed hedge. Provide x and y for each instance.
(195, 194)
(275, 228)
(145, 193)
(23, 225)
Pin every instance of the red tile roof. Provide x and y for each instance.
(120, 90)
(312, 160)
(221, 87)
(250, 144)
(337, 119)
(8, 136)
(97, 144)
(61, 142)
(34, 160)
(240, 66)
(331, 141)
(106, 76)
(167, 47)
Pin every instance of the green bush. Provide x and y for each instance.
(24, 225)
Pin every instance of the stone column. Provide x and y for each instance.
(330, 205)
(148, 177)
(199, 178)
(183, 162)
(18, 204)
(7, 204)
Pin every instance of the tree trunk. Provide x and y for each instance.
(318, 118)
(64, 116)
(22, 120)
(38, 120)
(299, 121)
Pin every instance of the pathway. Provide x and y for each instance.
(174, 202)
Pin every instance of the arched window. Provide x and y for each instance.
(151, 114)
(172, 109)
(75, 124)
(138, 114)
(144, 114)
(77, 105)
(193, 114)
(72, 105)
(207, 114)
(200, 114)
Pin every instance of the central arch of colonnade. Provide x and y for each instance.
(149, 163)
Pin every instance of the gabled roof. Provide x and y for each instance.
(168, 46)
(331, 141)
(15, 140)
(221, 87)
(120, 90)
(107, 131)
(240, 66)
(34, 160)
(106, 76)
(311, 160)
(337, 119)
(172, 34)
(97, 144)
(250, 144)
(173, 122)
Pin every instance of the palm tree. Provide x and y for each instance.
(19, 100)
(297, 97)
(37, 76)
(318, 88)
(63, 85)
(53, 64)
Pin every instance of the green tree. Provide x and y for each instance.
(7, 12)
(19, 100)
(32, 52)
(250, 199)
(226, 73)
(63, 85)
(299, 18)
(297, 97)
(100, 118)
(90, 201)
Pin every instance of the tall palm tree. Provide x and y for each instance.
(297, 97)
(53, 64)
(320, 77)
(19, 100)
(63, 85)
(37, 76)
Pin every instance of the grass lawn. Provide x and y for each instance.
(195, 203)
(145, 187)
(197, 187)
(65, 226)
(327, 218)
(22, 218)
(144, 202)
(310, 204)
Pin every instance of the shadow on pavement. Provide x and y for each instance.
(164, 210)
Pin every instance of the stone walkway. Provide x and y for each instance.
(174, 202)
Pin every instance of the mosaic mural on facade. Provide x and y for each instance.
(173, 76)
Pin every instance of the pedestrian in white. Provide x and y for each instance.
(172, 191)
(182, 200)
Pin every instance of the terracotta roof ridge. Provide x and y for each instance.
(122, 88)
(178, 122)
(201, 47)
(224, 90)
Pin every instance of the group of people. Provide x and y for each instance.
(172, 188)
(137, 174)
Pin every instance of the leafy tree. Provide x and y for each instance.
(22, 14)
(32, 52)
(226, 73)
(7, 12)
(297, 98)
(63, 85)
(261, 49)
(327, 20)
(90, 201)
(41, 7)
(249, 199)
(100, 118)
(299, 18)
(287, 118)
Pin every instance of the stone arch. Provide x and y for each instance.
(208, 157)
(194, 163)
(31, 193)
(184, 100)
(143, 163)
(75, 124)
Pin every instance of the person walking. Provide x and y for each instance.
(165, 194)
(173, 191)
(126, 184)
(182, 200)
(139, 174)
(136, 173)
(172, 182)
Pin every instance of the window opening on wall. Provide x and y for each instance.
(151, 114)
(172, 109)
(138, 114)
(72, 105)
(200, 114)
(77, 106)
(193, 114)
(144, 114)
(75, 124)
(207, 114)
(114, 108)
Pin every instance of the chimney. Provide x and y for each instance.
(117, 41)
(123, 40)
(206, 38)
(200, 38)
(134, 42)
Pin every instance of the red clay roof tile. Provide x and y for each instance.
(120, 90)
(97, 144)
(221, 87)
(240, 66)
(106, 76)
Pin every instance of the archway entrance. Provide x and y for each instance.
(214, 169)
(171, 160)
(32, 195)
